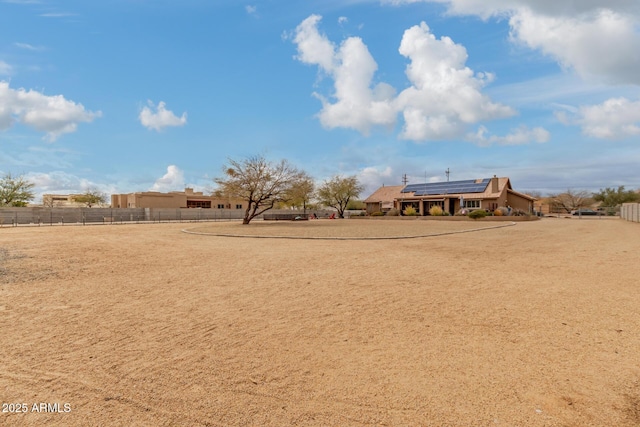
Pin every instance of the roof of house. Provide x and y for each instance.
(385, 194)
(468, 189)
(525, 196)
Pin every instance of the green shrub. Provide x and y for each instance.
(393, 212)
(478, 213)
(410, 211)
(436, 211)
(377, 213)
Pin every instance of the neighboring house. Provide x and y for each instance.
(487, 193)
(175, 199)
(383, 199)
(63, 201)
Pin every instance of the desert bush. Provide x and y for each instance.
(393, 212)
(498, 212)
(410, 211)
(503, 211)
(378, 213)
(478, 213)
(436, 211)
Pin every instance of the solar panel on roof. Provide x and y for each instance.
(455, 187)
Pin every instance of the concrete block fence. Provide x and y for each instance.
(40, 216)
(630, 212)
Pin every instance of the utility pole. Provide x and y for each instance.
(405, 180)
(447, 172)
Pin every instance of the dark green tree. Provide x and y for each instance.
(612, 198)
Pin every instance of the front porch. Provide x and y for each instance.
(423, 206)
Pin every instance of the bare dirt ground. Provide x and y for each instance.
(535, 324)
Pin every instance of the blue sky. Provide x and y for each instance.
(133, 95)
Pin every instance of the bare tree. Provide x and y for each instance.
(91, 197)
(262, 184)
(338, 191)
(570, 200)
(535, 194)
(47, 201)
(15, 191)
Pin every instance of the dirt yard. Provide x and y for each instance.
(536, 324)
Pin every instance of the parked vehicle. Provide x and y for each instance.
(580, 212)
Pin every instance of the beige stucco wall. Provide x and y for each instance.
(517, 202)
(160, 200)
(174, 200)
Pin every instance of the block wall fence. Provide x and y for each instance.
(60, 216)
(630, 212)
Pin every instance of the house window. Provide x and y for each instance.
(472, 204)
(220, 206)
(238, 206)
(199, 204)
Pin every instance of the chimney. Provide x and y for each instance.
(494, 184)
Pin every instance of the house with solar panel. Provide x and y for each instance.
(487, 193)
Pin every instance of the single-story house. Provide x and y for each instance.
(486, 193)
(174, 199)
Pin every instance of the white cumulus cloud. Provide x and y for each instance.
(616, 118)
(372, 178)
(59, 182)
(520, 136)
(161, 118)
(314, 48)
(53, 115)
(356, 102)
(173, 180)
(444, 97)
(594, 37)
(603, 43)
